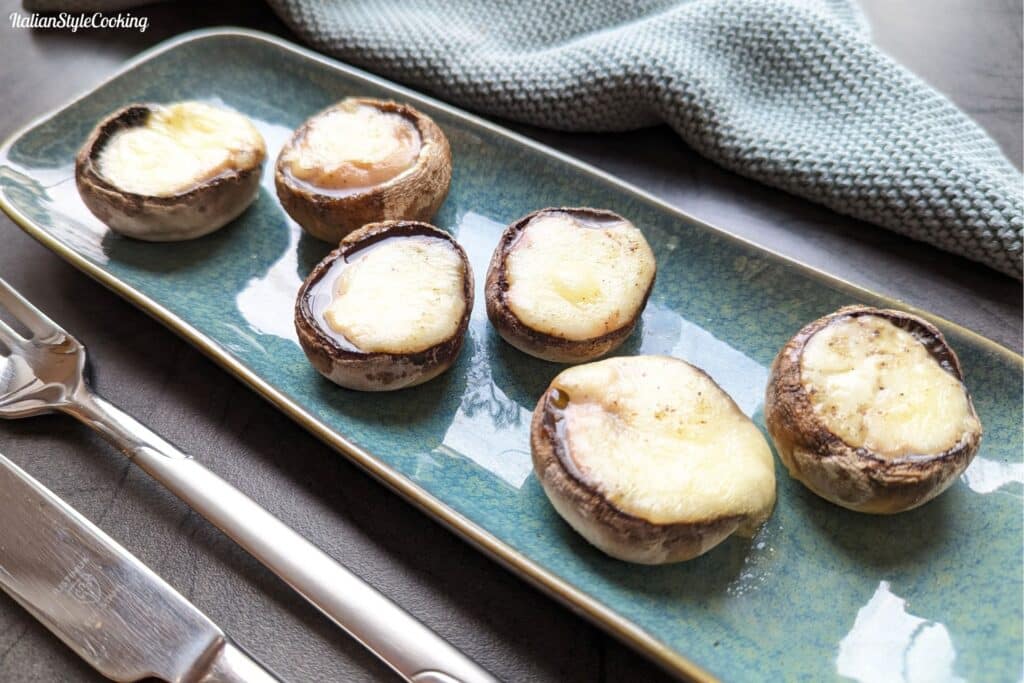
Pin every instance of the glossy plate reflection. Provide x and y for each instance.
(888, 645)
(820, 593)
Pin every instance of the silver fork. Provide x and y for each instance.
(45, 373)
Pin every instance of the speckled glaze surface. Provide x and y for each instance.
(821, 593)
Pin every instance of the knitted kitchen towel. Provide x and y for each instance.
(789, 92)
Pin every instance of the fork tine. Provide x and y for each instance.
(30, 316)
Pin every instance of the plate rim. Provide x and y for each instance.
(554, 586)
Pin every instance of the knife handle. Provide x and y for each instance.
(231, 664)
(410, 648)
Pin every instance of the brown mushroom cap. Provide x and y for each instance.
(534, 342)
(377, 371)
(617, 533)
(857, 477)
(618, 515)
(193, 213)
(413, 195)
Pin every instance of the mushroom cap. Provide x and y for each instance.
(413, 195)
(534, 342)
(858, 478)
(617, 533)
(673, 518)
(377, 371)
(193, 213)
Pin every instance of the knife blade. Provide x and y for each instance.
(106, 605)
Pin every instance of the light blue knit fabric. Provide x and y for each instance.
(789, 92)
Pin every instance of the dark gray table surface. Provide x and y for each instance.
(969, 49)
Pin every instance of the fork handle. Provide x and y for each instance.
(415, 652)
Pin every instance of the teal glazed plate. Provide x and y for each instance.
(819, 594)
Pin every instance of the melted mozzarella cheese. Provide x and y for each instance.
(661, 441)
(578, 281)
(179, 147)
(402, 296)
(875, 386)
(355, 146)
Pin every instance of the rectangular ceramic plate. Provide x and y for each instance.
(821, 592)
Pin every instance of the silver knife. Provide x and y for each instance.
(106, 605)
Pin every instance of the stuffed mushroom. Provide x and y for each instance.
(363, 161)
(868, 408)
(388, 308)
(170, 172)
(650, 460)
(568, 285)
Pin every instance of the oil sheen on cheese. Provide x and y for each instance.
(402, 295)
(179, 147)
(354, 147)
(876, 386)
(578, 280)
(663, 442)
